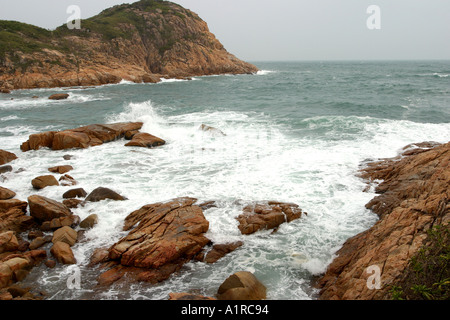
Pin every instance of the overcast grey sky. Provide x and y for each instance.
(257, 30)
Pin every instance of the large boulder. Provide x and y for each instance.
(102, 193)
(45, 209)
(145, 140)
(6, 156)
(82, 137)
(44, 181)
(163, 237)
(63, 253)
(267, 215)
(242, 285)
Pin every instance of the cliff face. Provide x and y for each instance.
(139, 42)
(413, 200)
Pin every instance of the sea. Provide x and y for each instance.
(295, 132)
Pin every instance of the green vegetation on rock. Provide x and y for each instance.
(428, 274)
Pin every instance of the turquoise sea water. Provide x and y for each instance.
(296, 132)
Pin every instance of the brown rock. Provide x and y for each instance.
(8, 242)
(130, 134)
(63, 253)
(45, 209)
(98, 256)
(44, 181)
(242, 286)
(67, 180)
(72, 203)
(6, 205)
(75, 193)
(167, 235)
(145, 140)
(269, 215)
(6, 156)
(65, 234)
(89, 222)
(50, 263)
(59, 96)
(38, 242)
(15, 219)
(83, 137)
(101, 193)
(4, 169)
(6, 275)
(38, 140)
(6, 194)
(60, 169)
(56, 223)
(413, 198)
(33, 234)
(220, 250)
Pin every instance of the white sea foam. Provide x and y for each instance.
(8, 118)
(264, 72)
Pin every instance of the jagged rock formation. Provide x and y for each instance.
(139, 42)
(414, 197)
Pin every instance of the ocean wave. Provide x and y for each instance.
(39, 102)
(264, 72)
(8, 118)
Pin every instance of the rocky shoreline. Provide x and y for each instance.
(413, 200)
(162, 237)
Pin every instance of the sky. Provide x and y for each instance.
(291, 30)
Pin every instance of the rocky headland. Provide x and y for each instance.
(405, 254)
(140, 42)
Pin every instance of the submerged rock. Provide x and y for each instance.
(212, 130)
(145, 140)
(59, 96)
(101, 193)
(267, 215)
